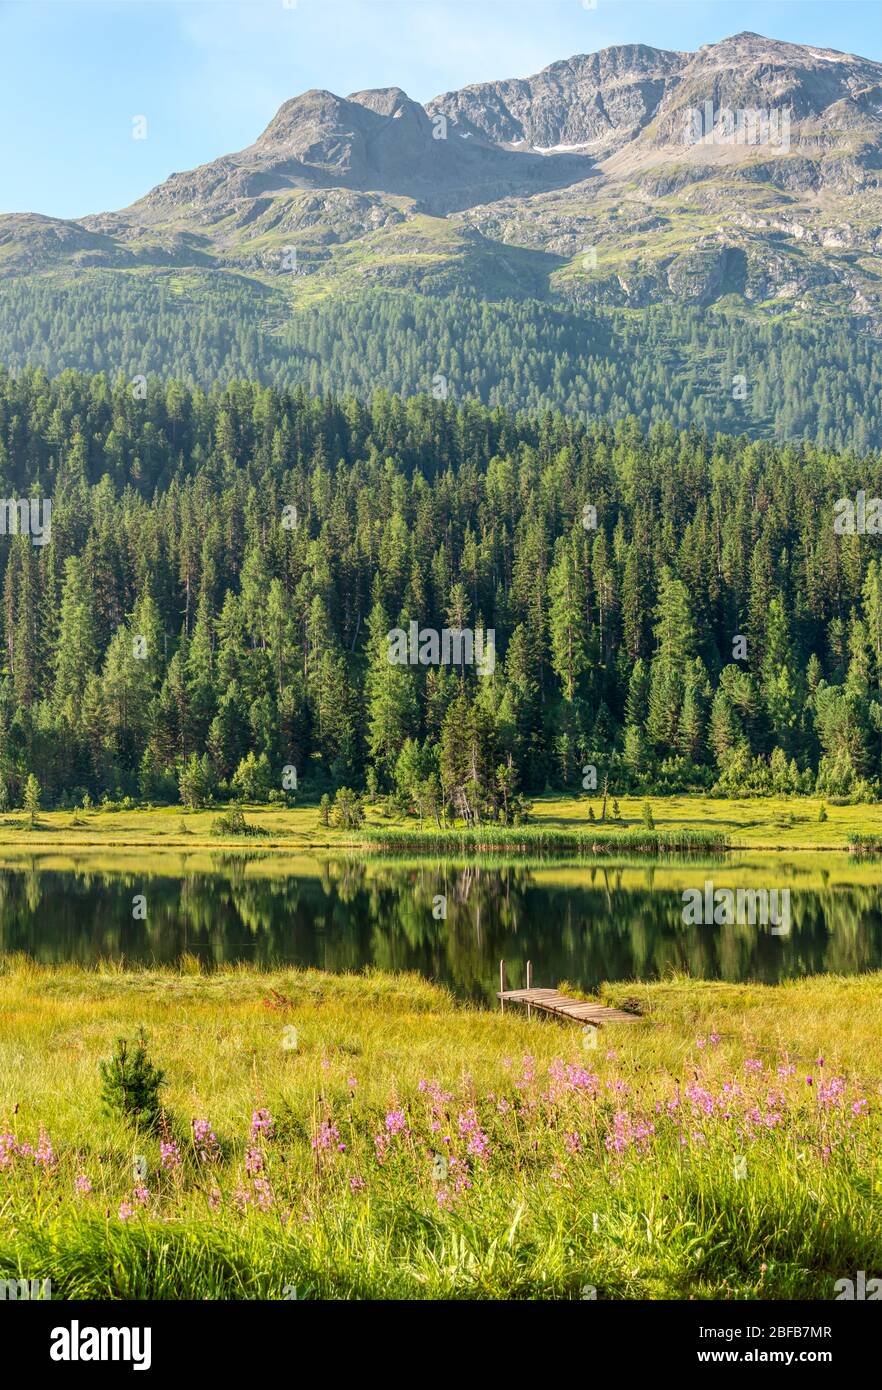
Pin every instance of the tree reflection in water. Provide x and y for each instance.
(591, 927)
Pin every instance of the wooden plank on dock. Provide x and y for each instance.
(551, 1001)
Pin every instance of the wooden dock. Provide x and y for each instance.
(551, 1001)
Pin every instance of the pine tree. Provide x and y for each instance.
(32, 799)
(77, 648)
(566, 621)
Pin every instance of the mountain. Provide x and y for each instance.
(743, 179)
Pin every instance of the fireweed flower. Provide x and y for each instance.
(169, 1154)
(9, 1149)
(263, 1194)
(568, 1078)
(253, 1162)
(214, 1199)
(440, 1098)
(242, 1198)
(470, 1128)
(618, 1085)
(44, 1154)
(528, 1073)
(82, 1185)
(357, 1184)
(327, 1137)
(459, 1182)
(572, 1143)
(395, 1127)
(141, 1196)
(126, 1210)
(628, 1133)
(205, 1142)
(831, 1093)
(699, 1098)
(262, 1124)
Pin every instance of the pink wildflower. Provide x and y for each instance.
(262, 1124)
(169, 1154)
(205, 1142)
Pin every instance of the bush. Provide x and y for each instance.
(234, 823)
(130, 1085)
(253, 779)
(647, 816)
(347, 811)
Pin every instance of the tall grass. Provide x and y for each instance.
(539, 838)
(865, 845)
(727, 1145)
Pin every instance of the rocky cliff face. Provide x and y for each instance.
(751, 168)
(597, 100)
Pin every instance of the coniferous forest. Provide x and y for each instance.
(670, 609)
(670, 362)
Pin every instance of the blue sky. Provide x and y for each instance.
(208, 75)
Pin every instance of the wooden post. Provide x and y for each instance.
(502, 985)
(529, 986)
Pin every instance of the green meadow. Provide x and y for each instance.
(768, 823)
(367, 1136)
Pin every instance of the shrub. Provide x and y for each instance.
(253, 780)
(347, 811)
(130, 1085)
(234, 823)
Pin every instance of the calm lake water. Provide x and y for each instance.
(574, 922)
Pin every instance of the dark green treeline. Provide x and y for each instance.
(224, 567)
